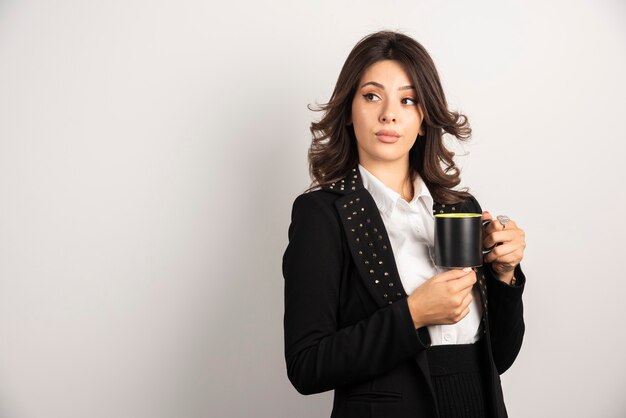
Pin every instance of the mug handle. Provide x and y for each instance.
(490, 249)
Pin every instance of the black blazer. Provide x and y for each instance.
(347, 322)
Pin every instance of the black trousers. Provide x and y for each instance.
(458, 376)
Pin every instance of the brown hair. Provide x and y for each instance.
(333, 150)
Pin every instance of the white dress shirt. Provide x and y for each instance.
(411, 229)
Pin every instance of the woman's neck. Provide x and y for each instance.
(394, 175)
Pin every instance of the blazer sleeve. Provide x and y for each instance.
(321, 356)
(505, 313)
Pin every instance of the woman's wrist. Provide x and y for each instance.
(415, 314)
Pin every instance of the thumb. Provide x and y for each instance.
(451, 274)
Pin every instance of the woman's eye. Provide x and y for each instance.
(409, 101)
(371, 97)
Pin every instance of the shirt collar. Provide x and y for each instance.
(386, 199)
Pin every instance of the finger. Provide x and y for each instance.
(497, 226)
(512, 258)
(509, 225)
(516, 237)
(463, 315)
(486, 216)
(452, 274)
(464, 309)
(504, 249)
(501, 251)
(461, 284)
(467, 300)
(493, 227)
(500, 236)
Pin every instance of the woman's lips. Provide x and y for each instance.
(387, 136)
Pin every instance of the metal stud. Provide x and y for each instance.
(362, 209)
(375, 229)
(357, 240)
(345, 206)
(380, 237)
(367, 235)
(440, 211)
(376, 281)
(371, 244)
(385, 295)
(398, 294)
(358, 198)
(386, 274)
(380, 262)
(374, 255)
(353, 188)
(390, 284)
(368, 220)
(349, 218)
(366, 262)
(354, 213)
(372, 271)
(390, 302)
(453, 208)
(384, 247)
(360, 252)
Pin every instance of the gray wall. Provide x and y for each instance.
(150, 153)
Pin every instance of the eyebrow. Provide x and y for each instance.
(380, 86)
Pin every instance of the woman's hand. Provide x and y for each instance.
(443, 299)
(509, 254)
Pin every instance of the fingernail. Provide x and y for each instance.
(466, 269)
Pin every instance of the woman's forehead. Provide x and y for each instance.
(385, 72)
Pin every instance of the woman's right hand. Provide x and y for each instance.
(443, 299)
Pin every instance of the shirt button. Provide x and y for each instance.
(447, 337)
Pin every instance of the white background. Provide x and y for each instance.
(150, 152)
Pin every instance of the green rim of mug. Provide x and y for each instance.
(458, 215)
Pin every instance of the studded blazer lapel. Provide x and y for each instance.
(368, 239)
(370, 247)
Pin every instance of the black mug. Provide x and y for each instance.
(459, 240)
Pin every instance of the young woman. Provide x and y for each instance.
(367, 313)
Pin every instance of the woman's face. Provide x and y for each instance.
(385, 115)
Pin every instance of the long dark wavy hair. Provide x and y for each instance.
(333, 151)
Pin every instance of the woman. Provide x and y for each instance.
(366, 311)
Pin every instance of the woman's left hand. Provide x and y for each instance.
(506, 256)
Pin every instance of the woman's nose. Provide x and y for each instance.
(388, 114)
